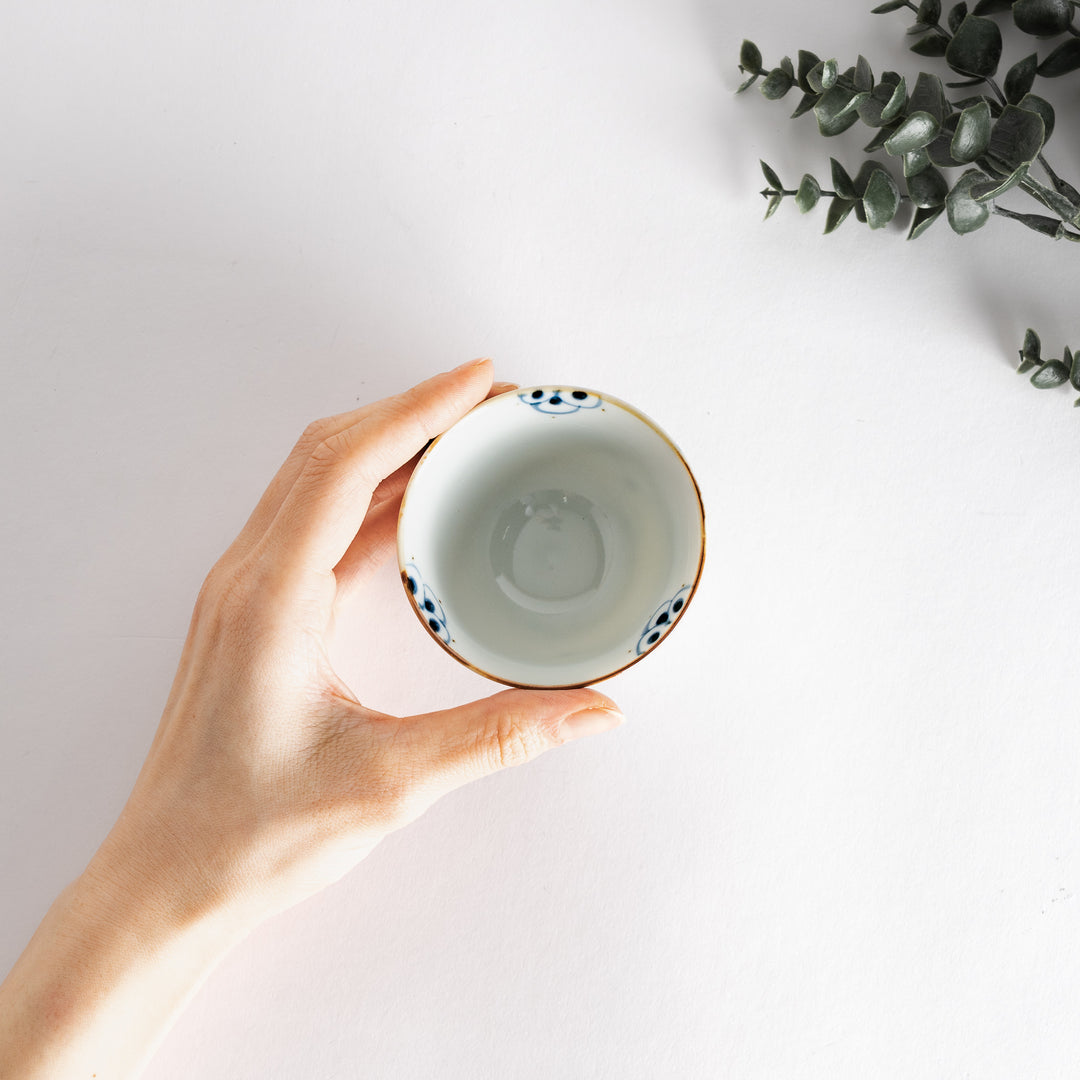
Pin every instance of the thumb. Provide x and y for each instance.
(507, 729)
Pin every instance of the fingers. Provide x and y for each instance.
(510, 728)
(317, 431)
(324, 508)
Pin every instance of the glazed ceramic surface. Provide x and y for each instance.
(552, 537)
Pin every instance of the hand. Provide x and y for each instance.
(267, 778)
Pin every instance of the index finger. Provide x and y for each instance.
(326, 504)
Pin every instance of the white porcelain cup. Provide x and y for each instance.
(551, 538)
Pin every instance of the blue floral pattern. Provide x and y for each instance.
(664, 618)
(559, 402)
(427, 603)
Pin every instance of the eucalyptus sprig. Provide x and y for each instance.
(1049, 373)
(997, 137)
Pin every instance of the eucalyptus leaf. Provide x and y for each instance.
(1052, 373)
(895, 105)
(956, 15)
(928, 188)
(1065, 58)
(881, 199)
(940, 152)
(976, 47)
(1016, 137)
(964, 213)
(918, 130)
(823, 75)
(924, 218)
(873, 105)
(776, 84)
(864, 76)
(806, 198)
(770, 177)
(889, 5)
(931, 45)
(864, 176)
(788, 68)
(860, 212)
(891, 78)
(992, 189)
(837, 214)
(928, 96)
(1074, 369)
(1034, 103)
(1042, 18)
(806, 103)
(1032, 348)
(835, 112)
(841, 181)
(882, 136)
(992, 7)
(746, 84)
(1020, 78)
(929, 11)
(750, 58)
(972, 133)
(774, 202)
(915, 161)
(807, 62)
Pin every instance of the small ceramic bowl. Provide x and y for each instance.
(551, 538)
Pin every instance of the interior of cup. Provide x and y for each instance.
(551, 538)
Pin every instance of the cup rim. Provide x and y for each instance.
(521, 391)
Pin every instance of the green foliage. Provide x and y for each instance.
(996, 137)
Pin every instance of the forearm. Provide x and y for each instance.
(104, 977)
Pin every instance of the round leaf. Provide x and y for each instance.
(1065, 58)
(841, 181)
(956, 15)
(1052, 373)
(1039, 105)
(1042, 18)
(928, 188)
(1032, 350)
(837, 215)
(1020, 77)
(776, 84)
(917, 131)
(806, 198)
(836, 110)
(1016, 137)
(915, 161)
(807, 62)
(976, 47)
(864, 76)
(750, 58)
(972, 133)
(929, 12)
(895, 105)
(964, 213)
(928, 96)
(931, 45)
(881, 200)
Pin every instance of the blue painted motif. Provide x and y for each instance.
(664, 618)
(427, 603)
(560, 402)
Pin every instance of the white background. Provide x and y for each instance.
(838, 835)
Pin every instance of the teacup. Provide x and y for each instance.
(551, 538)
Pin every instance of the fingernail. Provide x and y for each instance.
(473, 364)
(590, 722)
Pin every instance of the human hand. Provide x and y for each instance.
(267, 778)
